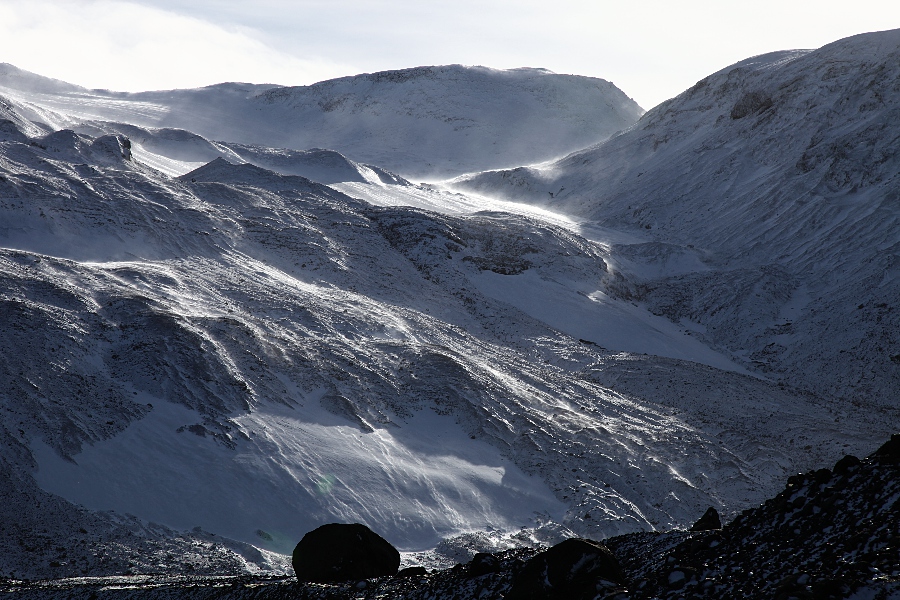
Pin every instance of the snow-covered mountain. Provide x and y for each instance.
(235, 355)
(778, 178)
(424, 122)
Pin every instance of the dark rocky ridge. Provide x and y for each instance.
(829, 534)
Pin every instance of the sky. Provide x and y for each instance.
(652, 50)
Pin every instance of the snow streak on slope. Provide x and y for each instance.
(780, 174)
(292, 469)
(570, 305)
(422, 122)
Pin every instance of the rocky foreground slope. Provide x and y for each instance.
(831, 533)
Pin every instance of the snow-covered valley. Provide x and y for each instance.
(230, 342)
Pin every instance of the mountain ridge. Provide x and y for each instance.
(458, 117)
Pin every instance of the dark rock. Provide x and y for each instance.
(342, 552)
(890, 450)
(575, 569)
(848, 463)
(679, 577)
(482, 564)
(413, 572)
(751, 103)
(822, 476)
(796, 480)
(708, 522)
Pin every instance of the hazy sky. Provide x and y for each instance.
(651, 50)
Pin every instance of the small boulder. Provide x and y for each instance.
(575, 569)
(344, 552)
(822, 476)
(708, 522)
(413, 572)
(482, 564)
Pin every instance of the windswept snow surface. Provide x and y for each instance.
(424, 122)
(780, 173)
(293, 469)
(249, 352)
(566, 302)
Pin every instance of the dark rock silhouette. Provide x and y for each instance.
(482, 564)
(412, 572)
(342, 552)
(571, 570)
(708, 522)
(846, 464)
(890, 450)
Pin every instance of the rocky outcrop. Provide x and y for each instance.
(708, 522)
(571, 570)
(343, 552)
(831, 533)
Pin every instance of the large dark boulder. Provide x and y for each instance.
(483, 563)
(708, 522)
(846, 465)
(344, 552)
(576, 569)
(890, 450)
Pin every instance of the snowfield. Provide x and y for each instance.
(228, 343)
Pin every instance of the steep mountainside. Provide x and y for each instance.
(780, 176)
(421, 122)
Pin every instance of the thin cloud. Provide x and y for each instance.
(652, 50)
(130, 47)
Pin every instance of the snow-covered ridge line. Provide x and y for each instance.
(423, 122)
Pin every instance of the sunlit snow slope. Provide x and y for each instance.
(780, 175)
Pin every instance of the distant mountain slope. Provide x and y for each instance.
(782, 173)
(421, 122)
